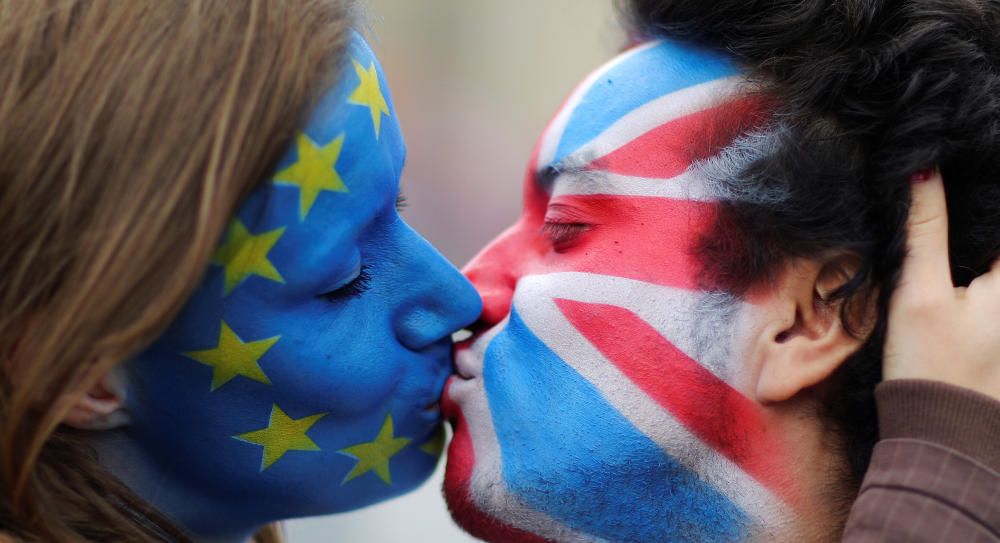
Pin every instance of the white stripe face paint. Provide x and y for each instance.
(554, 132)
(663, 110)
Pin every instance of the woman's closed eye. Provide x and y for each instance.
(352, 289)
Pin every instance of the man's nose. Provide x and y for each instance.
(495, 272)
(440, 300)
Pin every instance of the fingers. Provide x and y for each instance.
(926, 264)
(994, 274)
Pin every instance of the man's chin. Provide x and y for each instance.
(458, 493)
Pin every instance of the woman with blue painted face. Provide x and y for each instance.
(213, 316)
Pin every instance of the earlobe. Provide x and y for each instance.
(808, 340)
(103, 406)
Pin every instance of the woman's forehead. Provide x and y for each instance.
(344, 163)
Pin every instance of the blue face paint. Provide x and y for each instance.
(608, 474)
(303, 375)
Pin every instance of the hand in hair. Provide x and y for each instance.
(937, 331)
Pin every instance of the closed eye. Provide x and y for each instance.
(563, 234)
(356, 287)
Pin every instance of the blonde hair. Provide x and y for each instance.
(129, 132)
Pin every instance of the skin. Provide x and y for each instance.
(936, 331)
(604, 396)
(303, 375)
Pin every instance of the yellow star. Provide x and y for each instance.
(315, 171)
(232, 357)
(375, 455)
(435, 445)
(282, 434)
(369, 94)
(244, 254)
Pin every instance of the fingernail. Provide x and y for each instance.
(922, 175)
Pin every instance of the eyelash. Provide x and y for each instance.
(358, 286)
(563, 233)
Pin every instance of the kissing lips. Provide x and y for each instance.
(466, 365)
(469, 354)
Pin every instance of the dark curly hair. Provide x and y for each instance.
(864, 94)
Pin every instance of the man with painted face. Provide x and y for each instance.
(682, 333)
(608, 387)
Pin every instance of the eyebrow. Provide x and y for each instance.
(573, 167)
(545, 178)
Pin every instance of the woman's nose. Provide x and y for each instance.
(440, 299)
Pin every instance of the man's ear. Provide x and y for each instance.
(103, 406)
(807, 340)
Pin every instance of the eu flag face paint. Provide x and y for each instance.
(304, 373)
(604, 404)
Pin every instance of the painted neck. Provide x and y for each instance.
(206, 519)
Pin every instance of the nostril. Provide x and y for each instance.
(494, 311)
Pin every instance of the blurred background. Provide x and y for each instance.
(474, 83)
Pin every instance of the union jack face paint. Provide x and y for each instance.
(604, 403)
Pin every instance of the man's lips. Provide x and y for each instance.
(464, 361)
(467, 361)
(469, 354)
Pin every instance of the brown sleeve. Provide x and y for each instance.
(935, 474)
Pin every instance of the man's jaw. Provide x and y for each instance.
(465, 399)
(458, 491)
(465, 389)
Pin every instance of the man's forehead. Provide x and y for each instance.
(636, 91)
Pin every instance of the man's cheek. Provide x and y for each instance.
(569, 454)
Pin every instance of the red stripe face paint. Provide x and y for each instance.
(733, 425)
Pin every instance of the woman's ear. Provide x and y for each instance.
(103, 406)
(808, 340)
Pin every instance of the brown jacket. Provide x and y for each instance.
(935, 474)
